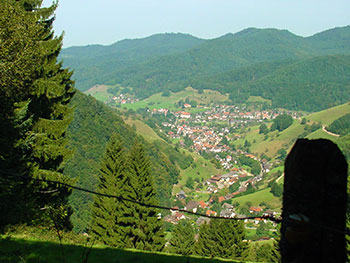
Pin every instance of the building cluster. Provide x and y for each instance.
(124, 99)
(227, 210)
(201, 128)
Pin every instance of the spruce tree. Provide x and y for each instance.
(222, 238)
(182, 241)
(205, 243)
(34, 92)
(141, 224)
(111, 182)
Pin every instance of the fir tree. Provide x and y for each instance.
(182, 240)
(222, 238)
(204, 244)
(111, 181)
(140, 224)
(34, 92)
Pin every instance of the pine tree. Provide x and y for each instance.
(111, 182)
(34, 92)
(182, 240)
(222, 238)
(205, 243)
(141, 224)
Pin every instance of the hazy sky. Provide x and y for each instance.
(107, 21)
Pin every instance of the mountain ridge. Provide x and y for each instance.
(160, 66)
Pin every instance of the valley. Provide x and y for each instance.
(237, 169)
(170, 147)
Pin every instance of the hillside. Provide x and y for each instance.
(311, 84)
(88, 135)
(274, 55)
(94, 63)
(273, 141)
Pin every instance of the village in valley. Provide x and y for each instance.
(217, 132)
(209, 132)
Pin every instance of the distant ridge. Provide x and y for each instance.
(174, 61)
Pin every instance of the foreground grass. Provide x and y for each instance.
(33, 251)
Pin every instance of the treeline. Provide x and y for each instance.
(219, 238)
(341, 125)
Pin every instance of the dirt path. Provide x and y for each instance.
(330, 133)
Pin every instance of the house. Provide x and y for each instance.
(202, 204)
(226, 213)
(192, 206)
(186, 105)
(185, 115)
(221, 199)
(174, 209)
(210, 213)
(254, 209)
(181, 195)
(228, 207)
(178, 216)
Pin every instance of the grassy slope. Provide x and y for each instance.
(157, 101)
(286, 137)
(38, 251)
(100, 93)
(329, 115)
(259, 196)
(143, 129)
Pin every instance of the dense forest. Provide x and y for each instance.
(274, 64)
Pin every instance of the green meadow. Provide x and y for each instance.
(259, 196)
(13, 250)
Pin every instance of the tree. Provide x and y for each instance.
(190, 182)
(111, 182)
(182, 240)
(281, 122)
(143, 228)
(276, 189)
(222, 238)
(262, 230)
(282, 154)
(263, 129)
(256, 168)
(34, 93)
(266, 253)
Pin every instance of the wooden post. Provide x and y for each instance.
(314, 203)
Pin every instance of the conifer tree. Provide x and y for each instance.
(182, 241)
(111, 181)
(204, 244)
(222, 238)
(141, 224)
(34, 92)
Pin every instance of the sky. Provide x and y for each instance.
(105, 22)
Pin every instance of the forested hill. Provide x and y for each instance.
(88, 135)
(177, 68)
(94, 63)
(310, 84)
